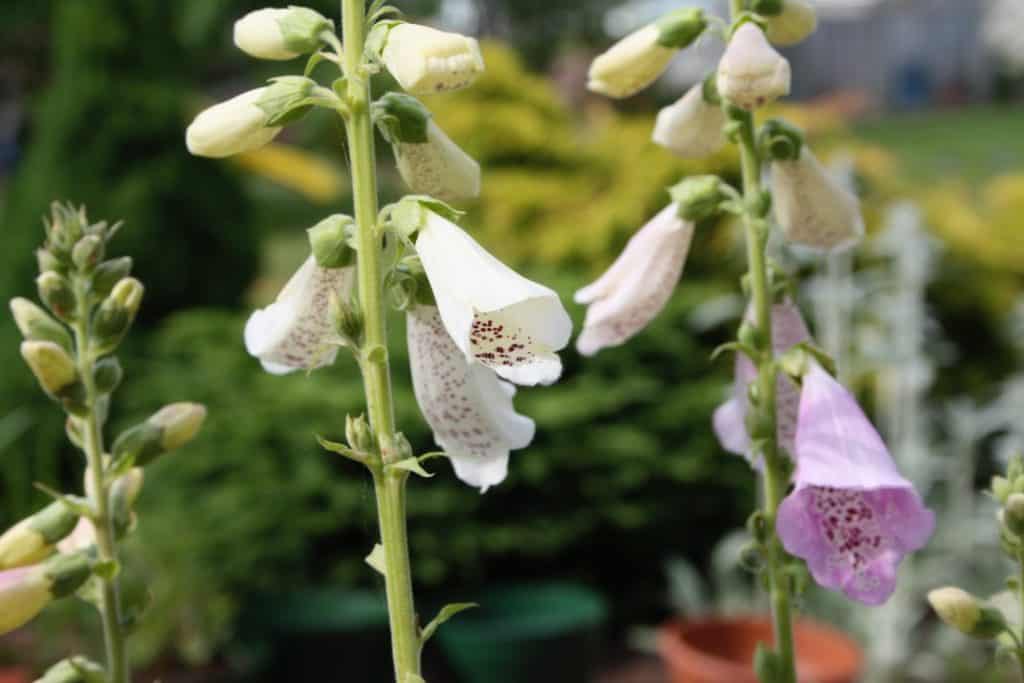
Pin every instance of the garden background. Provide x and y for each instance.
(625, 476)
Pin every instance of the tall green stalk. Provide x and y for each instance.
(103, 522)
(774, 467)
(389, 484)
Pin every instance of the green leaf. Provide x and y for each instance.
(446, 613)
(411, 465)
(340, 449)
(767, 665)
(377, 560)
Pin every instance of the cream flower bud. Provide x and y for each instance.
(33, 539)
(796, 22)
(640, 58)
(179, 423)
(811, 207)
(51, 365)
(966, 613)
(232, 127)
(274, 33)
(35, 324)
(752, 73)
(692, 127)
(424, 60)
(428, 161)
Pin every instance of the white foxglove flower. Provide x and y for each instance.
(232, 127)
(495, 316)
(751, 73)
(692, 127)
(640, 58)
(280, 33)
(429, 162)
(466, 405)
(638, 285)
(294, 332)
(797, 20)
(424, 60)
(811, 207)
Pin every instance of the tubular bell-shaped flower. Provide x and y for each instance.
(692, 127)
(751, 73)
(494, 315)
(640, 58)
(25, 591)
(466, 405)
(424, 60)
(638, 285)
(730, 419)
(294, 332)
(851, 515)
(811, 207)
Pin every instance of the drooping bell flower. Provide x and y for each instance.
(692, 127)
(730, 419)
(851, 516)
(812, 208)
(294, 333)
(465, 403)
(494, 315)
(25, 591)
(638, 285)
(640, 58)
(425, 60)
(33, 539)
(751, 73)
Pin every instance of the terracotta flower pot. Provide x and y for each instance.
(721, 650)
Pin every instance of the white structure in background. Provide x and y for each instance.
(1003, 31)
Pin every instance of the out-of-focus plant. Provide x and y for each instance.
(474, 326)
(795, 423)
(71, 546)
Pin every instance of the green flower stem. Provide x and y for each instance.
(775, 470)
(1020, 598)
(106, 543)
(389, 487)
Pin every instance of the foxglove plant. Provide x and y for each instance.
(834, 504)
(70, 547)
(475, 327)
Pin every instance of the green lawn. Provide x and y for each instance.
(973, 143)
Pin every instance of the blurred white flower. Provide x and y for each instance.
(751, 73)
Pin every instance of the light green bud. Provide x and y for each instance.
(179, 423)
(699, 197)
(109, 273)
(74, 670)
(680, 28)
(36, 324)
(55, 291)
(329, 241)
(401, 118)
(116, 314)
(1013, 514)
(87, 253)
(966, 613)
(51, 365)
(123, 494)
(67, 573)
(48, 261)
(64, 228)
(107, 374)
(360, 436)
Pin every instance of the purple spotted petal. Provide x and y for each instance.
(851, 516)
(788, 330)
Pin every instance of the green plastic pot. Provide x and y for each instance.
(315, 635)
(532, 633)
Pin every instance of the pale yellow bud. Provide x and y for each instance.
(232, 127)
(179, 422)
(796, 22)
(51, 365)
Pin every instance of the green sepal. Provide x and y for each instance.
(76, 504)
(700, 197)
(779, 140)
(67, 573)
(768, 8)
(107, 374)
(330, 241)
(680, 28)
(735, 347)
(108, 274)
(446, 613)
(401, 118)
(138, 446)
(340, 449)
(378, 38)
(287, 99)
(410, 465)
(301, 29)
(54, 522)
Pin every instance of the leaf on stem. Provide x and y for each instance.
(446, 613)
(411, 465)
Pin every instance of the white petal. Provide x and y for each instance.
(811, 207)
(231, 127)
(424, 60)
(631, 64)
(294, 332)
(495, 316)
(751, 73)
(469, 409)
(638, 285)
(259, 34)
(438, 168)
(691, 127)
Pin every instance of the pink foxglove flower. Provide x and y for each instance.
(638, 285)
(24, 592)
(494, 315)
(466, 404)
(851, 516)
(294, 332)
(729, 421)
